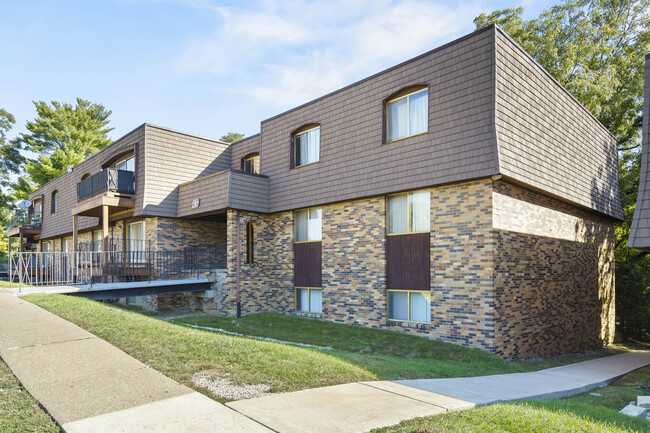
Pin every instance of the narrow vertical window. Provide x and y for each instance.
(407, 115)
(251, 163)
(55, 202)
(309, 225)
(250, 243)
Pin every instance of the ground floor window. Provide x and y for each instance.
(309, 300)
(409, 306)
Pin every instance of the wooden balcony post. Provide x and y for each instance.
(104, 240)
(75, 240)
(22, 246)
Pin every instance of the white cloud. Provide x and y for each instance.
(286, 53)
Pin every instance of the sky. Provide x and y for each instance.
(212, 67)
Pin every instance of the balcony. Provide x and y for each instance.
(110, 190)
(22, 218)
(107, 180)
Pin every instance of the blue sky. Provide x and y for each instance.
(210, 67)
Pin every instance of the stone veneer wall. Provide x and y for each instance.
(554, 276)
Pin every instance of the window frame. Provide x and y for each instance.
(54, 206)
(408, 213)
(309, 290)
(250, 243)
(295, 225)
(294, 154)
(123, 160)
(405, 93)
(408, 304)
(251, 157)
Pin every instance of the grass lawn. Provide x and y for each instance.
(180, 352)
(389, 355)
(19, 411)
(581, 413)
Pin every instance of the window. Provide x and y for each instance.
(251, 163)
(409, 306)
(407, 115)
(308, 225)
(409, 212)
(126, 164)
(45, 247)
(309, 300)
(135, 242)
(306, 146)
(250, 243)
(98, 240)
(55, 202)
(38, 212)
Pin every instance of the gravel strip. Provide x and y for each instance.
(224, 388)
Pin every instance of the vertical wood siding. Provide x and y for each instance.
(308, 264)
(408, 261)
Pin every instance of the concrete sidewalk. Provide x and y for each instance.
(557, 382)
(89, 385)
(360, 407)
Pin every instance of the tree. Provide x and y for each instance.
(10, 157)
(231, 137)
(596, 50)
(62, 135)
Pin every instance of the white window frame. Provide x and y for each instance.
(136, 255)
(125, 162)
(408, 114)
(309, 234)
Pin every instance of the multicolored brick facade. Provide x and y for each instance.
(504, 276)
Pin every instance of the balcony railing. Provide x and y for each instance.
(24, 219)
(90, 267)
(109, 179)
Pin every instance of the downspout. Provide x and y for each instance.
(238, 268)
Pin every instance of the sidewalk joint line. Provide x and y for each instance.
(252, 419)
(406, 396)
(49, 344)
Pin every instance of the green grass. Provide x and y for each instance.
(19, 411)
(502, 418)
(389, 355)
(179, 352)
(581, 413)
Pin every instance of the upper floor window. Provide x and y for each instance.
(127, 164)
(55, 201)
(306, 146)
(407, 114)
(409, 212)
(38, 209)
(309, 225)
(251, 163)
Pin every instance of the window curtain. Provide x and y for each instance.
(315, 224)
(420, 211)
(398, 305)
(315, 301)
(302, 300)
(301, 226)
(397, 214)
(418, 112)
(397, 119)
(313, 145)
(420, 307)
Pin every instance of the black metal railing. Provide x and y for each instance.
(22, 218)
(109, 179)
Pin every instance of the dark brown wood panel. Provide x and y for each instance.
(307, 264)
(408, 261)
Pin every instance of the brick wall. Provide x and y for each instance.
(554, 276)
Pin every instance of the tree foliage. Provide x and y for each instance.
(596, 50)
(63, 134)
(10, 157)
(231, 137)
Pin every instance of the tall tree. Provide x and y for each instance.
(596, 50)
(10, 157)
(231, 137)
(63, 134)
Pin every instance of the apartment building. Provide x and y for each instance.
(463, 195)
